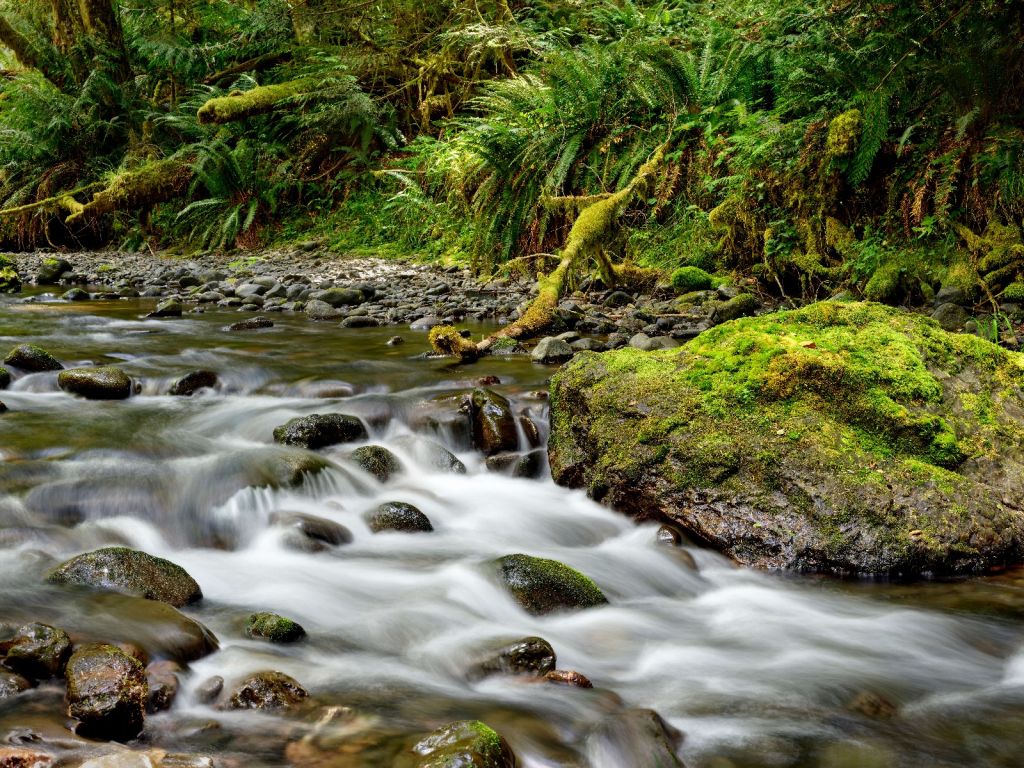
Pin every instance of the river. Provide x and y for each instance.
(756, 669)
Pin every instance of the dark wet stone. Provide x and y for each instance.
(360, 321)
(104, 383)
(618, 299)
(320, 310)
(528, 656)
(39, 651)
(340, 297)
(167, 308)
(76, 294)
(530, 465)
(12, 684)
(638, 738)
(107, 692)
(29, 357)
(377, 460)
(494, 426)
(162, 678)
(267, 690)
(544, 586)
(5, 378)
(273, 628)
(208, 691)
(308, 533)
(51, 270)
(192, 382)
(568, 677)
(464, 744)
(119, 569)
(320, 430)
(394, 341)
(433, 454)
(252, 324)
(397, 516)
(669, 536)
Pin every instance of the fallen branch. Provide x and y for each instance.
(141, 188)
(257, 101)
(59, 201)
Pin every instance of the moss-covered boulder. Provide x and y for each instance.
(544, 586)
(377, 460)
(10, 282)
(273, 628)
(119, 569)
(107, 692)
(106, 383)
(397, 516)
(51, 270)
(842, 437)
(464, 744)
(29, 357)
(320, 430)
(39, 651)
(267, 690)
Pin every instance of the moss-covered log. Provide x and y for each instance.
(138, 189)
(258, 101)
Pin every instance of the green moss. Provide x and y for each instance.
(844, 134)
(259, 100)
(1014, 292)
(689, 279)
(273, 628)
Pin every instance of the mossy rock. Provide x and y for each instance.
(104, 383)
(119, 569)
(850, 438)
(5, 378)
(273, 628)
(397, 516)
(377, 461)
(10, 282)
(39, 651)
(464, 744)
(320, 430)
(51, 269)
(268, 691)
(29, 357)
(544, 586)
(689, 279)
(107, 692)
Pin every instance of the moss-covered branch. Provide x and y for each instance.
(258, 101)
(138, 189)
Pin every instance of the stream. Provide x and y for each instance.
(756, 669)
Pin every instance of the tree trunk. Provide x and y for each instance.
(103, 23)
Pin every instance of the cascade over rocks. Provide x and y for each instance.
(842, 437)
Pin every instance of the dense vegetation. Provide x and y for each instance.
(815, 145)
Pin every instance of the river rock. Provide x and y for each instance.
(75, 294)
(529, 656)
(397, 516)
(464, 744)
(544, 586)
(843, 437)
(431, 453)
(320, 430)
(494, 426)
(167, 308)
(360, 321)
(267, 690)
(569, 677)
(119, 569)
(308, 533)
(5, 378)
(273, 628)
(377, 460)
(51, 270)
(106, 383)
(12, 684)
(551, 351)
(340, 297)
(107, 692)
(192, 382)
(29, 357)
(743, 305)
(252, 324)
(19, 757)
(320, 310)
(952, 317)
(647, 343)
(162, 679)
(639, 738)
(10, 282)
(39, 651)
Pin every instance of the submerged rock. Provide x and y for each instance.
(12, 684)
(107, 692)
(397, 516)
(544, 586)
(252, 324)
(267, 690)
(464, 744)
(431, 453)
(104, 383)
(120, 569)
(845, 438)
(320, 430)
(192, 382)
(494, 425)
(29, 357)
(309, 533)
(377, 460)
(38, 651)
(167, 308)
(273, 628)
(639, 738)
(529, 656)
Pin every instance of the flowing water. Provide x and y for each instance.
(756, 669)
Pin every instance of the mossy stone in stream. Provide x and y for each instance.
(532, 656)
(267, 690)
(192, 382)
(119, 569)
(494, 426)
(104, 383)
(10, 282)
(107, 692)
(50, 270)
(273, 628)
(850, 438)
(5, 378)
(39, 651)
(320, 430)
(11, 685)
(464, 744)
(377, 460)
(397, 516)
(29, 357)
(543, 586)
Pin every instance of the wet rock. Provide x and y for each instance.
(551, 351)
(568, 677)
(397, 516)
(106, 383)
(308, 533)
(51, 270)
(208, 691)
(192, 382)
(10, 282)
(501, 462)
(12, 684)
(426, 323)
(394, 341)
(668, 536)
(167, 308)
(107, 692)
(618, 299)
(5, 378)
(320, 310)
(464, 744)
(528, 656)
(273, 628)
(360, 321)
(544, 586)
(39, 651)
(639, 738)
(267, 690)
(75, 294)
(743, 305)
(340, 297)
(951, 317)
(494, 426)
(33, 359)
(3, 407)
(530, 465)
(252, 324)
(162, 679)
(647, 343)
(18, 757)
(432, 453)
(377, 460)
(873, 705)
(320, 431)
(129, 571)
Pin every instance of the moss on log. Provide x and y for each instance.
(140, 188)
(258, 101)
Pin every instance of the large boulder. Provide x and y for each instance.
(107, 692)
(51, 270)
(320, 430)
(29, 357)
(104, 383)
(464, 744)
(843, 437)
(119, 569)
(544, 586)
(494, 426)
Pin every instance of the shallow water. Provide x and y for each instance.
(756, 669)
